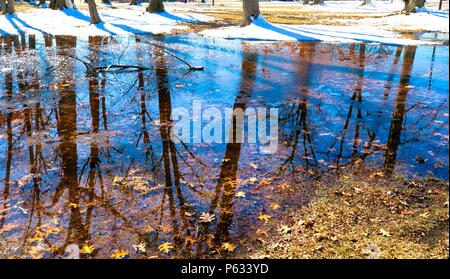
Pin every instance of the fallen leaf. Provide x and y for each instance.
(264, 217)
(262, 231)
(383, 232)
(119, 254)
(165, 247)
(206, 217)
(190, 239)
(240, 194)
(228, 247)
(87, 249)
(283, 229)
(424, 215)
(275, 206)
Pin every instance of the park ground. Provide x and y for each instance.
(336, 21)
(363, 215)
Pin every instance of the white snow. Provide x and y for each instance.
(262, 30)
(424, 20)
(115, 22)
(381, 24)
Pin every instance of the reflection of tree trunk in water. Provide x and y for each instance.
(9, 154)
(144, 113)
(357, 95)
(399, 112)
(388, 86)
(94, 102)
(433, 56)
(298, 111)
(387, 89)
(169, 150)
(9, 135)
(67, 131)
(226, 183)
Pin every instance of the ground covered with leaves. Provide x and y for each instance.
(362, 216)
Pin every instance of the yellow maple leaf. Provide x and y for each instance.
(261, 231)
(87, 249)
(275, 206)
(119, 254)
(165, 247)
(230, 247)
(264, 217)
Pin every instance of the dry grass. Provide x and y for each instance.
(353, 215)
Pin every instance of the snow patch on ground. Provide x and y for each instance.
(424, 20)
(115, 22)
(262, 30)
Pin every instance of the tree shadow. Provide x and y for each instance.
(12, 18)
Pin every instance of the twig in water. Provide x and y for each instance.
(191, 68)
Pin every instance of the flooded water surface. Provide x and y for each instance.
(87, 157)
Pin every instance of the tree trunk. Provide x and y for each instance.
(10, 7)
(412, 5)
(251, 11)
(95, 18)
(7, 7)
(155, 6)
(2, 7)
(318, 2)
(61, 4)
(367, 2)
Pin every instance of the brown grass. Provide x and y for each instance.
(351, 214)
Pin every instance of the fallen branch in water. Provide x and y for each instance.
(191, 68)
(121, 67)
(90, 69)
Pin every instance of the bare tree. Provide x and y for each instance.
(251, 11)
(95, 18)
(61, 4)
(412, 5)
(155, 6)
(7, 7)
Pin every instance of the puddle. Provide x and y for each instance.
(88, 158)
